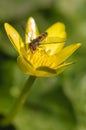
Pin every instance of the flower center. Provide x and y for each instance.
(40, 57)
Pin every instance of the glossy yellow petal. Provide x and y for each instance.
(48, 72)
(24, 65)
(56, 36)
(31, 30)
(57, 30)
(14, 37)
(28, 69)
(61, 67)
(65, 65)
(66, 52)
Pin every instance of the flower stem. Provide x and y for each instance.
(19, 103)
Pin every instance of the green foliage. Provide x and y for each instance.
(57, 103)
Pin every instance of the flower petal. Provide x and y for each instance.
(66, 52)
(57, 30)
(24, 65)
(31, 30)
(46, 69)
(14, 37)
(61, 67)
(65, 64)
(56, 36)
(28, 69)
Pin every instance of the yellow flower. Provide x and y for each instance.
(46, 59)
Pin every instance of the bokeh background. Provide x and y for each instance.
(57, 103)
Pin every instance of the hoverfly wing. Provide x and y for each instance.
(53, 40)
(53, 45)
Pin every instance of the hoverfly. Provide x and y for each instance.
(42, 39)
(37, 41)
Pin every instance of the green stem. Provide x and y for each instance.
(19, 103)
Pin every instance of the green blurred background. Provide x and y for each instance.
(57, 103)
